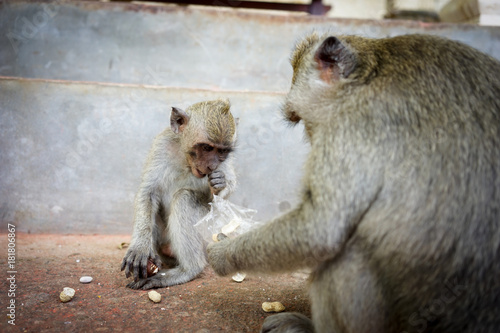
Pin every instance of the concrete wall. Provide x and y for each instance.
(179, 46)
(71, 153)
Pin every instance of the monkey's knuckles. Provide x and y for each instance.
(216, 177)
(154, 282)
(216, 174)
(217, 181)
(218, 187)
(135, 284)
(148, 283)
(128, 264)
(218, 258)
(135, 264)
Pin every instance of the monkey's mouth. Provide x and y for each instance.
(197, 173)
(293, 117)
(289, 114)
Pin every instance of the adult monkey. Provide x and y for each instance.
(174, 194)
(400, 213)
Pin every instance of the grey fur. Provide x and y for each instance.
(400, 217)
(169, 202)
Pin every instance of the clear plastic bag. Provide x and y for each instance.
(227, 218)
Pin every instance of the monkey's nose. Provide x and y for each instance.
(211, 167)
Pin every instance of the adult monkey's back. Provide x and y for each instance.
(400, 215)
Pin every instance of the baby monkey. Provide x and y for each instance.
(189, 163)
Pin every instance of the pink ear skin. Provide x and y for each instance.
(334, 60)
(178, 120)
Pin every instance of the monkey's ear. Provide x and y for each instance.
(334, 60)
(178, 120)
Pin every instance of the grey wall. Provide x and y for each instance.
(71, 153)
(178, 46)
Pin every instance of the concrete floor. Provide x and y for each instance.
(45, 264)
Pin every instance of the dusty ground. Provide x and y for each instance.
(46, 263)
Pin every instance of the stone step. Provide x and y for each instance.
(179, 46)
(72, 153)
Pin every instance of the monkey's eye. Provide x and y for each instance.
(206, 147)
(224, 151)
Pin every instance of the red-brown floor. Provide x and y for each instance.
(45, 264)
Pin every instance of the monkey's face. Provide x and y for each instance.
(206, 132)
(204, 158)
(290, 114)
(299, 59)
